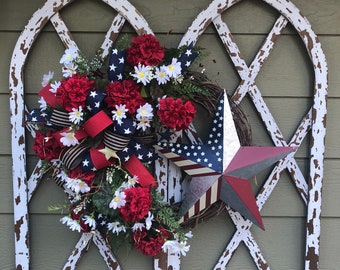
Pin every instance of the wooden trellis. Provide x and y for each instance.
(312, 124)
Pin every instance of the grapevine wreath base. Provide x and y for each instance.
(96, 136)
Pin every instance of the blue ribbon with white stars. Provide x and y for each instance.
(116, 65)
(187, 57)
(95, 101)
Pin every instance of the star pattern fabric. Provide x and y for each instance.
(116, 65)
(38, 116)
(142, 152)
(220, 166)
(94, 101)
(187, 57)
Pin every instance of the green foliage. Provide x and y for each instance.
(165, 213)
(58, 207)
(102, 199)
(188, 88)
(123, 42)
(93, 68)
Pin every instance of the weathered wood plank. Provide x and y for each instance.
(293, 85)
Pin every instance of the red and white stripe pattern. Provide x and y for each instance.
(211, 196)
(205, 160)
(190, 167)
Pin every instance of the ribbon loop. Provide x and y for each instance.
(97, 123)
(115, 141)
(60, 118)
(72, 156)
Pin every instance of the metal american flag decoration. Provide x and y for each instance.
(220, 167)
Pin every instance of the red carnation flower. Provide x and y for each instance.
(174, 114)
(73, 91)
(145, 50)
(46, 146)
(150, 245)
(126, 92)
(137, 206)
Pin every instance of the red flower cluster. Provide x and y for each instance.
(145, 50)
(46, 146)
(125, 93)
(175, 114)
(150, 246)
(137, 206)
(73, 91)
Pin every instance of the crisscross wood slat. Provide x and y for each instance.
(313, 122)
(24, 188)
(311, 125)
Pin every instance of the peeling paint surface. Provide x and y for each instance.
(169, 176)
(312, 124)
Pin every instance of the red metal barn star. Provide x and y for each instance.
(220, 168)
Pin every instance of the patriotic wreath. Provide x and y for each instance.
(94, 132)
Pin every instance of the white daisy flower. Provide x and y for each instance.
(116, 227)
(148, 221)
(82, 187)
(70, 182)
(76, 185)
(75, 226)
(69, 69)
(183, 248)
(47, 78)
(137, 227)
(54, 87)
(133, 180)
(65, 220)
(68, 56)
(161, 75)
(189, 234)
(118, 201)
(68, 139)
(144, 112)
(143, 124)
(43, 104)
(174, 69)
(143, 74)
(120, 113)
(178, 248)
(90, 221)
(72, 224)
(76, 116)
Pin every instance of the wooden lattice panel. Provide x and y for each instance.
(312, 124)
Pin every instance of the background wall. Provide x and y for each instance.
(285, 81)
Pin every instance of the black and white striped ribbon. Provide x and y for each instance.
(115, 141)
(72, 156)
(60, 118)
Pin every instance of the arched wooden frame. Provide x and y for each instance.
(313, 123)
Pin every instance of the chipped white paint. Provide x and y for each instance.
(23, 189)
(313, 124)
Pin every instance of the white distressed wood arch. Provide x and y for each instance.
(23, 186)
(313, 123)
